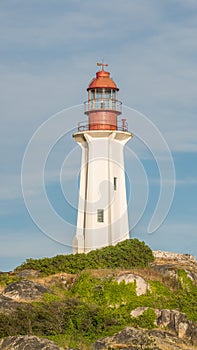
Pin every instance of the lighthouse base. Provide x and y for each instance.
(102, 208)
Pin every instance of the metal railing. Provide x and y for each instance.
(85, 126)
(103, 103)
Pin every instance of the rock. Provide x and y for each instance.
(171, 270)
(169, 263)
(173, 256)
(26, 290)
(141, 285)
(136, 339)
(173, 320)
(28, 273)
(130, 338)
(170, 319)
(7, 305)
(167, 341)
(182, 329)
(138, 311)
(178, 323)
(27, 342)
(168, 270)
(192, 275)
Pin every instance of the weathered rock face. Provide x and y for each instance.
(173, 256)
(27, 342)
(168, 264)
(167, 270)
(28, 273)
(141, 285)
(130, 338)
(178, 323)
(25, 289)
(173, 320)
(7, 305)
(171, 270)
(136, 339)
(138, 311)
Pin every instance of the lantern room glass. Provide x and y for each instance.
(102, 98)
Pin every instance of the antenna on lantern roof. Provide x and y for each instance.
(102, 64)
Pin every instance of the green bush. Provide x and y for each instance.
(127, 254)
(6, 278)
(106, 292)
(187, 296)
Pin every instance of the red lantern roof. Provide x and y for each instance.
(102, 80)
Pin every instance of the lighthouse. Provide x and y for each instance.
(102, 207)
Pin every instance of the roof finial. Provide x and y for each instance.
(102, 64)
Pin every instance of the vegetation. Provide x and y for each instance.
(6, 278)
(127, 254)
(94, 305)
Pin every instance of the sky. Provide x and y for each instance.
(48, 55)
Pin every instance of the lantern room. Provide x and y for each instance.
(102, 107)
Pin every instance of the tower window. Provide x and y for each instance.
(115, 183)
(100, 215)
(91, 94)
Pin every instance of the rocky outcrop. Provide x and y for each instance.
(141, 285)
(173, 256)
(167, 270)
(178, 323)
(27, 342)
(26, 273)
(25, 289)
(173, 320)
(138, 339)
(171, 270)
(168, 264)
(7, 305)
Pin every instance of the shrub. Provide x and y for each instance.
(6, 278)
(127, 254)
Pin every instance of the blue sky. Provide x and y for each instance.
(48, 55)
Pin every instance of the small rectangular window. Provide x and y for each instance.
(115, 183)
(100, 215)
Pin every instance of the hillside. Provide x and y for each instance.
(117, 297)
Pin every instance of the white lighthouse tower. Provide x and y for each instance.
(102, 208)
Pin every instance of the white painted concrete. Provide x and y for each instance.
(102, 161)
